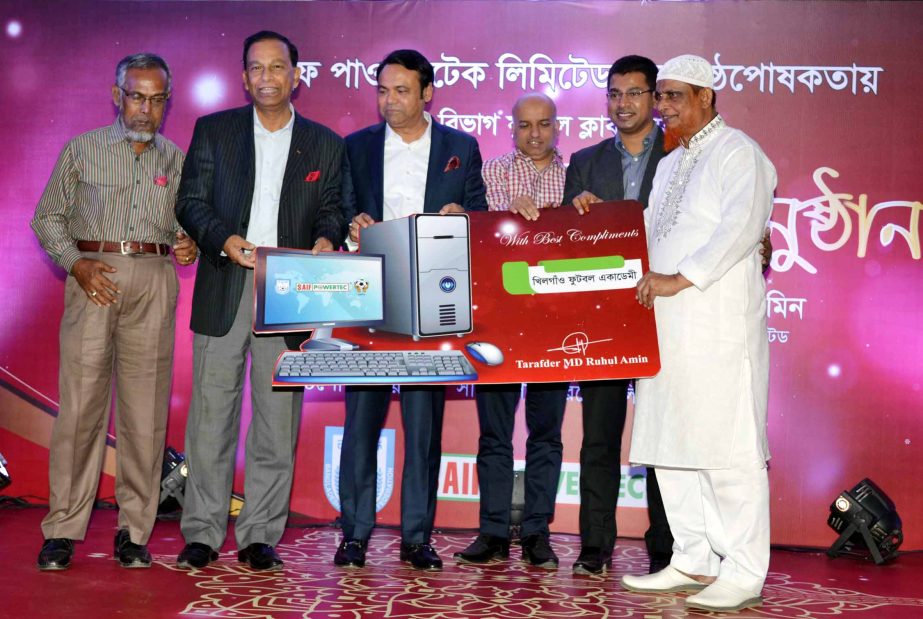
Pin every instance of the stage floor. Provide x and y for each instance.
(801, 585)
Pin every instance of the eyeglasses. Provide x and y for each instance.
(138, 99)
(669, 95)
(631, 95)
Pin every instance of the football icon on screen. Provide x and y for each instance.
(362, 286)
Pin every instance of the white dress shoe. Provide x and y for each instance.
(667, 580)
(723, 597)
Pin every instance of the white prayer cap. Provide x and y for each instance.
(690, 69)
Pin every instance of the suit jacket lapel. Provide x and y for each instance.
(613, 163)
(297, 150)
(247, 150)
(648, 181)
(438, 156)
(376, 163)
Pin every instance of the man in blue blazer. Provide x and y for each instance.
(405, 165)
(256, 175)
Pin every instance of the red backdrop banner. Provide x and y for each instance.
(826, 88)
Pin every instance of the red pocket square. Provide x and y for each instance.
(453, 164)
(312, 176)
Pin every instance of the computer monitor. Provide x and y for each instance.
(297, 291)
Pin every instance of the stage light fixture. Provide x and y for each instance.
(866, 518)
(173, 480)
(173, 485)
(4, 474)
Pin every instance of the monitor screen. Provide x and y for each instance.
(297, 291)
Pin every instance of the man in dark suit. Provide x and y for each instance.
(257, 175)
(405, 165)
(618, 168)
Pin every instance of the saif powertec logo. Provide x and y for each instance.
(458, 481)
(322, 287)
(333, 447)
(361, 286)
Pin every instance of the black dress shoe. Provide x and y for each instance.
(128, 553)
(351, 553)
(56, 554)
(420, 556)
(483, 549)
(537, 551)
(592, 560)
(260, 557)
(195, 555)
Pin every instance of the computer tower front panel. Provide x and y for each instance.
(443, 275)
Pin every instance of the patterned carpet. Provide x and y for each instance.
(800, 585)
(386, 588)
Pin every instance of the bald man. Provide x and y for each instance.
(529, 178)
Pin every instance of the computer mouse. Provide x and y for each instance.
(485, 352)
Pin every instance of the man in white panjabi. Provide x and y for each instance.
(701, 422)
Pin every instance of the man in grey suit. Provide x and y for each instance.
(260, 175)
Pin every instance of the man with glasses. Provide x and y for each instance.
(618, 168)
(702, 420)
(106, 217)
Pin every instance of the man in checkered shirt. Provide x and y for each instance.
(523, 181)
(530, 177)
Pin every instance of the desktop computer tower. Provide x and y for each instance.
(427, 273)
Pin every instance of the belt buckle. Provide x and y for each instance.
(125, 249)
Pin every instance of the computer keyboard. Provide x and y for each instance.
(372, 367)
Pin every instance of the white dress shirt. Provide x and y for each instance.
(404, 175)
(271, 156)
(405, 172)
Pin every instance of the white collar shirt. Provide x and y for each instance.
(270, 158)
(405, 168)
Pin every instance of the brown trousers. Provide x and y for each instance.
(132, 339)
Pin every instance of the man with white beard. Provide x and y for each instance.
(106, 217)
(701, 422)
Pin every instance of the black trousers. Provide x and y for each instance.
(496, 404)
(422, 411)
(604, 409)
